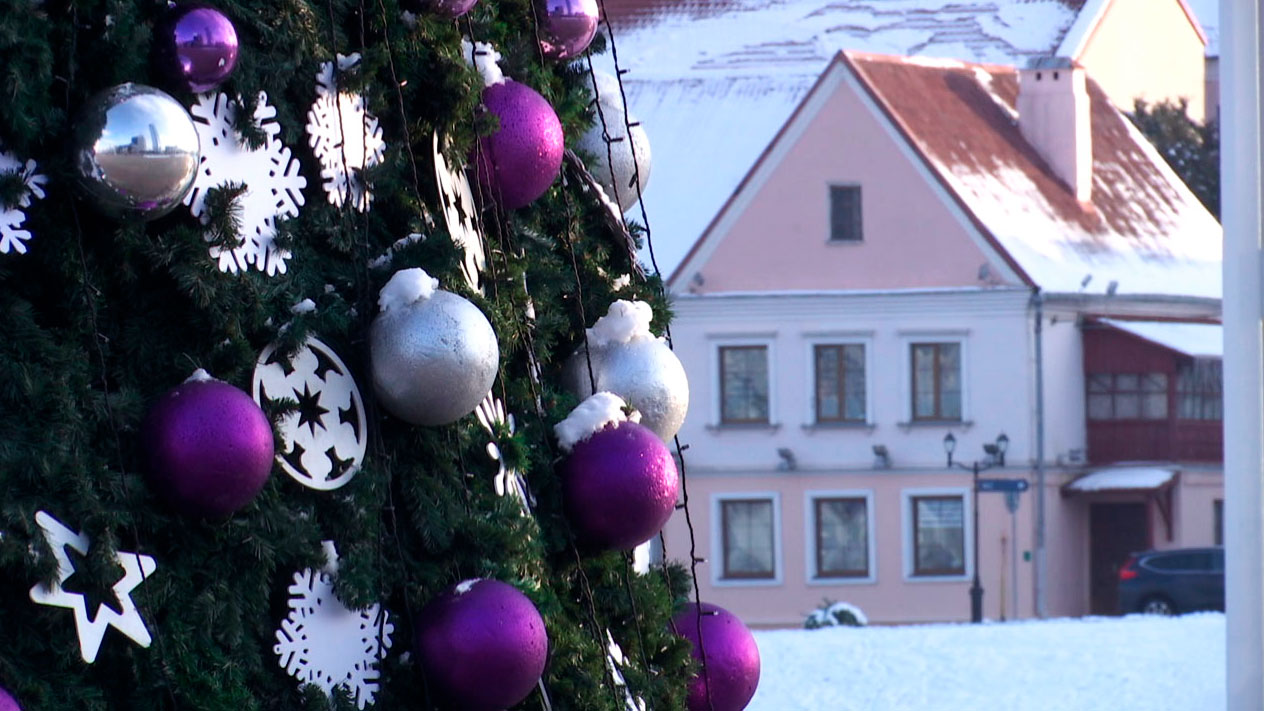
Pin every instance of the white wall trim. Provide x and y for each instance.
(906, 529)
(809, 535)
(717, 540)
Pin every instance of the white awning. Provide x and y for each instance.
(1122, 479)
(1200, 340)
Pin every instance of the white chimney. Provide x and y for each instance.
(1053, 115)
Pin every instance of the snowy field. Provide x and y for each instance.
(1091, 664)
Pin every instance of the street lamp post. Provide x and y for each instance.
(996, 458)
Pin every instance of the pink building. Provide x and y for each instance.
(930, 254)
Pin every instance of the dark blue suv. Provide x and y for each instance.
(1172, 582)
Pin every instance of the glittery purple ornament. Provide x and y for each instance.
(732, 663)
(566, 27)
(620, 487)
(197, 47)
(482, 645)
(7, 702)
(210, 448)
(517, 163)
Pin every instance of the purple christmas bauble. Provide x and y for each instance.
(7, 702)
(210, 448)
(732, 663)
(452, 8)
(197, 47)
(482, 645)
(519, 161)
(566, 26)
(620, 487)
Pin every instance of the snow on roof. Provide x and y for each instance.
(714, 80)
(1200, 340)
(1122, 478)
(1144, 231)
(706, 134)
(1207, 12)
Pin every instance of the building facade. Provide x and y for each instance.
(939, 264)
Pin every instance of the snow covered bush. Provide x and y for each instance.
(835, 614)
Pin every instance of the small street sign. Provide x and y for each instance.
(1019, 485)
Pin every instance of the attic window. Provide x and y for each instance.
(845, 220)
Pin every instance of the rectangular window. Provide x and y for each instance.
(1217, 510)
(1127, 396)
(1200, 391)
(840, 383)
(939, 535)
(936, 381)
(842, 537)
(749, 540)
(744, 384)
(845, 220)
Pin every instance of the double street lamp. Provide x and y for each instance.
(995, 452)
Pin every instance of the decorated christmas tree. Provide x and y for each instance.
(294, 408)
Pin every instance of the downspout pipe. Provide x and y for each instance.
(1041, 572)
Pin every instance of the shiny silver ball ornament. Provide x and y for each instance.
(434, 359)
(644, 372)
(630, 158)
(136, 151)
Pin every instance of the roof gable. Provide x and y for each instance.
(1144, 232)
(773, 233)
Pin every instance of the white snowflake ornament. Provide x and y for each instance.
(490, 413)
(345, 137)
(322, 642)
(12, 237)
(91, 628)
(615, 661)
(274, 187)
(324, 441)
(460, 214)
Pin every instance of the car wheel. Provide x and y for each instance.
(1158, 606)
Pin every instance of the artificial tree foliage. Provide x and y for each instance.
(100, 318)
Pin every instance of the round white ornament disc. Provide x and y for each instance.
(324, 441)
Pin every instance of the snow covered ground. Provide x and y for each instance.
(1091, 664)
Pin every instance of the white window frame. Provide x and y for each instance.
(907, 339)
(769, 342)
(846, 338)
(907, 533)
(809, 535)
(717, 540)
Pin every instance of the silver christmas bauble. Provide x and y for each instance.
(136, 151)
(644, 372)
(433, 360)
(630, 158)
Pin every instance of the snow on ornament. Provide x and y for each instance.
(122, 616)
(622, 356)
(460, 214)
(323, 642)
(12, 237)
(345, 137)
(274, 185)
(324, 441)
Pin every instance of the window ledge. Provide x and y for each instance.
(868, 580)
(919, 424)
(744, 427)
(745, 582)
(814, 426)
(910, 578)
(843, 242)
